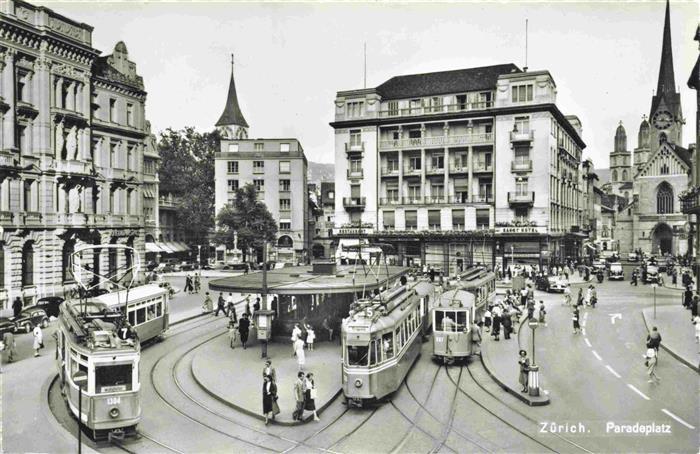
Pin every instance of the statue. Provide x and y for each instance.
(59, 140)
(72, 143)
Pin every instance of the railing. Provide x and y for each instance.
(482, 198)
(521, 197)
(435, 199)
(72, 219)
(6, 217)
(432, 110)
(7, 160)
(79, 167)
(31, 218)
(521, 166)
(435, 171)
(354, 173)
(690, 204)
(410, 171)
(258, 170)
(417, 200)
(354, 148)
(390, 201)
(390, 171)
(458, 199)
(438, 141)
(454, 168)
(354, 202)
(482, 167)
(525, 136)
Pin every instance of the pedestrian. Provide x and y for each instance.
(197, 282)
(328, 327)
(476, 339)
(296, 334)
(269, 398)
(17, 307)
(270, 371)
(496, 331)
(188, 284)
(243, 329)
(541, 314)
(507, 324)
(687, 297)
(654, 339)
(310, 337)
(567, 295)
(38, 339)
(247, 306)
(487, 319)
(301, 356)
(230, 305)
(310, 395)
(9, 347)
(575, 319)
(256, 306)
(514, 319)
(524, 365)
(208, 304)
(299, 395)
(530, 309)
(696, 322)
(232, 333)
(651, 362)
(694, 306)
(220, 305)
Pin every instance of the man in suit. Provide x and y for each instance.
(243, 329)
(299, 394)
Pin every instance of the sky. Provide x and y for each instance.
(292, 58)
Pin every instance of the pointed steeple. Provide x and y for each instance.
(667, 81)
(620, 138)
(232, 115)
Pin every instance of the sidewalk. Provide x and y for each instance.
(500, 359)
(677, 333)
(234, 376)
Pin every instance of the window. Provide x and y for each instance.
(355, 109)
(129, 156)
(393, 108)
(434, 219)
(521, 124)
(28, 264)
(458, 219)
(284, 147)
(28, 195)
(355, 138)
(233, 148)
(522, 156)
(521, 186)
(232, 185)
(614, 175)
(112, 110)
(285, 225)
(411, 219)
(232, 167)
(259, 146)
(392, 194)
(482, 218)
(664, 169)
(624, 175)
(259, 184)
(414, 163)
(129, 114)
(112, 155)
(388, 345)
(258, 166)
(414, 192)
(437, 162)
(389, 222)
(285, 204)
(356, 166)
(521, 214)
(284, 166)
(521, 93)
(285, 185)
(357, 355)
(128, 201)
(436, 104)
(664, 199)
(437, 192)
(485, 190)
(392, 165)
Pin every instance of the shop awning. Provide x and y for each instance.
(165, 247)
(180, 246)
(152, 247)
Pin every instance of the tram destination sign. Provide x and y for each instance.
(522, 229)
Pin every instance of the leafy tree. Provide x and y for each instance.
(187, 172)
(249, 218)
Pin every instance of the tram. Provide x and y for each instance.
(381, 339)
(481, 283)
(146, 309)
(452, 316)
(97, 358)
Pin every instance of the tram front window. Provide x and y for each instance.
(461, 321)
(113, 378)
(357, 355)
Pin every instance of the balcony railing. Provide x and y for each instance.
(354, 173)
(355, 147)
(525, 136)
(354, 202)
(435, 199)
(438, 141)
(7, 160)
(455, 168)
(480, 166)
(410, 171)
(690, 204)
(408, 200)
(435, 171)
(482, 198)
(390, 201)
(390, 171)
(72, 219)
(6, 217)
(521, 166)
(78, 167)
(524, 198)
(458, 199)
(434, 110)
(30, 218)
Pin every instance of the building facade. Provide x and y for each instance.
(478, 164)
(322, 246)
(73, 151)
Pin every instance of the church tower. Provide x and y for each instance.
(232, 124)
(641, 153)
(620, 164)
(665, 116)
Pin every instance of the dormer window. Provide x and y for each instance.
(521, 93)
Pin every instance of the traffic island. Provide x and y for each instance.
(234, 376)
(500, 359)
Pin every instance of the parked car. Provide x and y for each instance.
(164, 268)
(616, 272)
(7, 326)
(550, 284)
(237, 267)
(151, 265)
(652, 273)
(600, 264)
(187, 266)
(49, 304)
(31, 317)
(632, 257)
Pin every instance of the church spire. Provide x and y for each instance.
(667, 82)
(232, 116)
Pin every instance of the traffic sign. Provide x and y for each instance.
(532, 323)
(654, 285)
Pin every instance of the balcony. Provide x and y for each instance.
(72, 219)
(30, 218)
(458, 199)
(409, 200)
(438, 141)
(6, 217)
(524, 165)
(390, 201)
(390, 171)
(482, 166)
(73, 167)
(355, 148)
(435, 110)
(7, 160)
(521, 198)
(435, 171)
(690, 203)
(354, 203)
(435, 199)
(459, 169)
(354, 174)
(525, 136)
(411, 172)
(482, 198)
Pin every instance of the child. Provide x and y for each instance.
(310, 336)
(542, 314)
(487, 320)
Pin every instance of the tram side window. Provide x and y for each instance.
(113, 378)
(159, 309)
(388, 345)
(373, 359)
(438, 320)
(132, 317)
(150, 313)
(399, 342)
(140, 315)
(357, 355)
(462, 321)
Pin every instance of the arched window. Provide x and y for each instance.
(664, 199)
(624, 175)
(28, 264)
(285, 241)
(614, 175)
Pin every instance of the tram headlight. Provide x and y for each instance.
(358, 383)
(114, 413)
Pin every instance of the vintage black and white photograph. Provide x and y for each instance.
(347, 227)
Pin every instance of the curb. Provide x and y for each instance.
(259, 416)
(678, 357)
(541, 401)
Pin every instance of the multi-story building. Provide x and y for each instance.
(72, 151)
(479, 164)
(277, 167)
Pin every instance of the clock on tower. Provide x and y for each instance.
(662, 119)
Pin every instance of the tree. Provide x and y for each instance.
(187, 172)
(249, 218)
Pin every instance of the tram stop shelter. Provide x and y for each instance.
(310, 294)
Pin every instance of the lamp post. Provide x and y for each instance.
(199, 255)
(80, 378)
(263, 317)
(533, 380)
(654, 285)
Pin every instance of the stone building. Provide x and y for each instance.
(73, 151)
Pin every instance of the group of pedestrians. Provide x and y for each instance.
(303, 336)
(304, 389)
(505, 314)
(192, 283)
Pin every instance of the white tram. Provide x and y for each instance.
(482, 284)
(94, 350)
(146, 310)
(381, 339)
(452, 316)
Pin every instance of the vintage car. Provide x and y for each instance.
(616, 272)
(632, 257)
(49, 304)
(7, 326)
(652, 273)
(31, 317)
(550, 284)
(599, 265)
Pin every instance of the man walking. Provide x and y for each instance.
(220, 305)
(244, 329)
(17, 307)
(299, 392)
(476, 339)
(654, 340)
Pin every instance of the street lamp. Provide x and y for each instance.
(80, 378)
(654, 285)
(263, 317)
(533, 379)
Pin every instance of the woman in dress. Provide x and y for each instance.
(310, 395)
(651, 365)
(38, 339)
(574, 318)
(524, 363)
(269, 392)
(301, 356)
